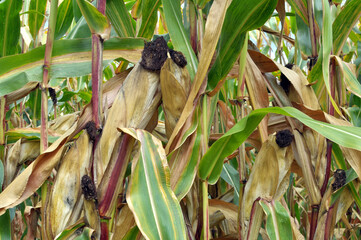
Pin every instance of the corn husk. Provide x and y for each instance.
(175, 86)
(66, 201)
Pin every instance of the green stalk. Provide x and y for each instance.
(46, 70)
(2, 120)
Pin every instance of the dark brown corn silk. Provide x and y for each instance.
(340, 179)
(88, 188)
(52, 94)
(178, 58)
(285, 82)
(284, 138)
(154, 54)
(91, 130)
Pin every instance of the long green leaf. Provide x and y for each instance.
(36, 16)
(300, 7)
(180, 40)
(97, 22)
(149, 18)
(152, 201)
(64, 18)
(9, 26)
(71, 58)
(211, 164)
(326, 50)
(120, 18)
(344, 23)
(278, 221)
(241, 17)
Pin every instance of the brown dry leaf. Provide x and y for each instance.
(302, 156)
(175, 86)
(257, 91)
(212, 32)
(62, 123)
(20, 93)
(134, 106)
(34, 175)
(346, 199)
(317, 147)
(229, 211)
(65, 203)
(226, 115)
(124, 222)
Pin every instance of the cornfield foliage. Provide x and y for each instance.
(192, 119)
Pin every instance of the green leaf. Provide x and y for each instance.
(9, 26)
(63, 18)
(278, 221)
(211, 164)
(15, 134)
(152, 201)
(5, 227)
(149, 18)
(300, 7)
(132, 234)
(343, 24)
(350, 79)
(71, 58)
(36, 16)
(120, 18)
(241, 17)
(231, 176)
(1, 174)
(97, 22)
(76, 11)
(180, 40)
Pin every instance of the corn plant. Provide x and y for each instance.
(193, 119)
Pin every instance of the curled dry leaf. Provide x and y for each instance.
(65, 203)
(62, 123)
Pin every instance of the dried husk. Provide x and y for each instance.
(175, 86)
(20, 152)
(134, 106)
(62, 123)
(66, 200)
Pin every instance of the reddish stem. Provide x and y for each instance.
(314, 217)
(104, 232)
(329, 222)
(122, 159)
(253, 210)
(97, 57)
(328, 167)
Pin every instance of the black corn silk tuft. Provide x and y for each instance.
(88, 188)
(340, 179)
(91, 130)
(154, 54)
(285, 83)
(178, 58)
(284, 138)
(52, 94)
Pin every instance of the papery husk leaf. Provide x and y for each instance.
(302, 156)
(66, 200)
(257, 91)
(229, 210)
(62, 123)
(34, 175)
(346, 199)
(175, 86)
(136, 101)
(212, 32)
(124, 221)
(263, 179)
(317, 146)
(12, 162)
